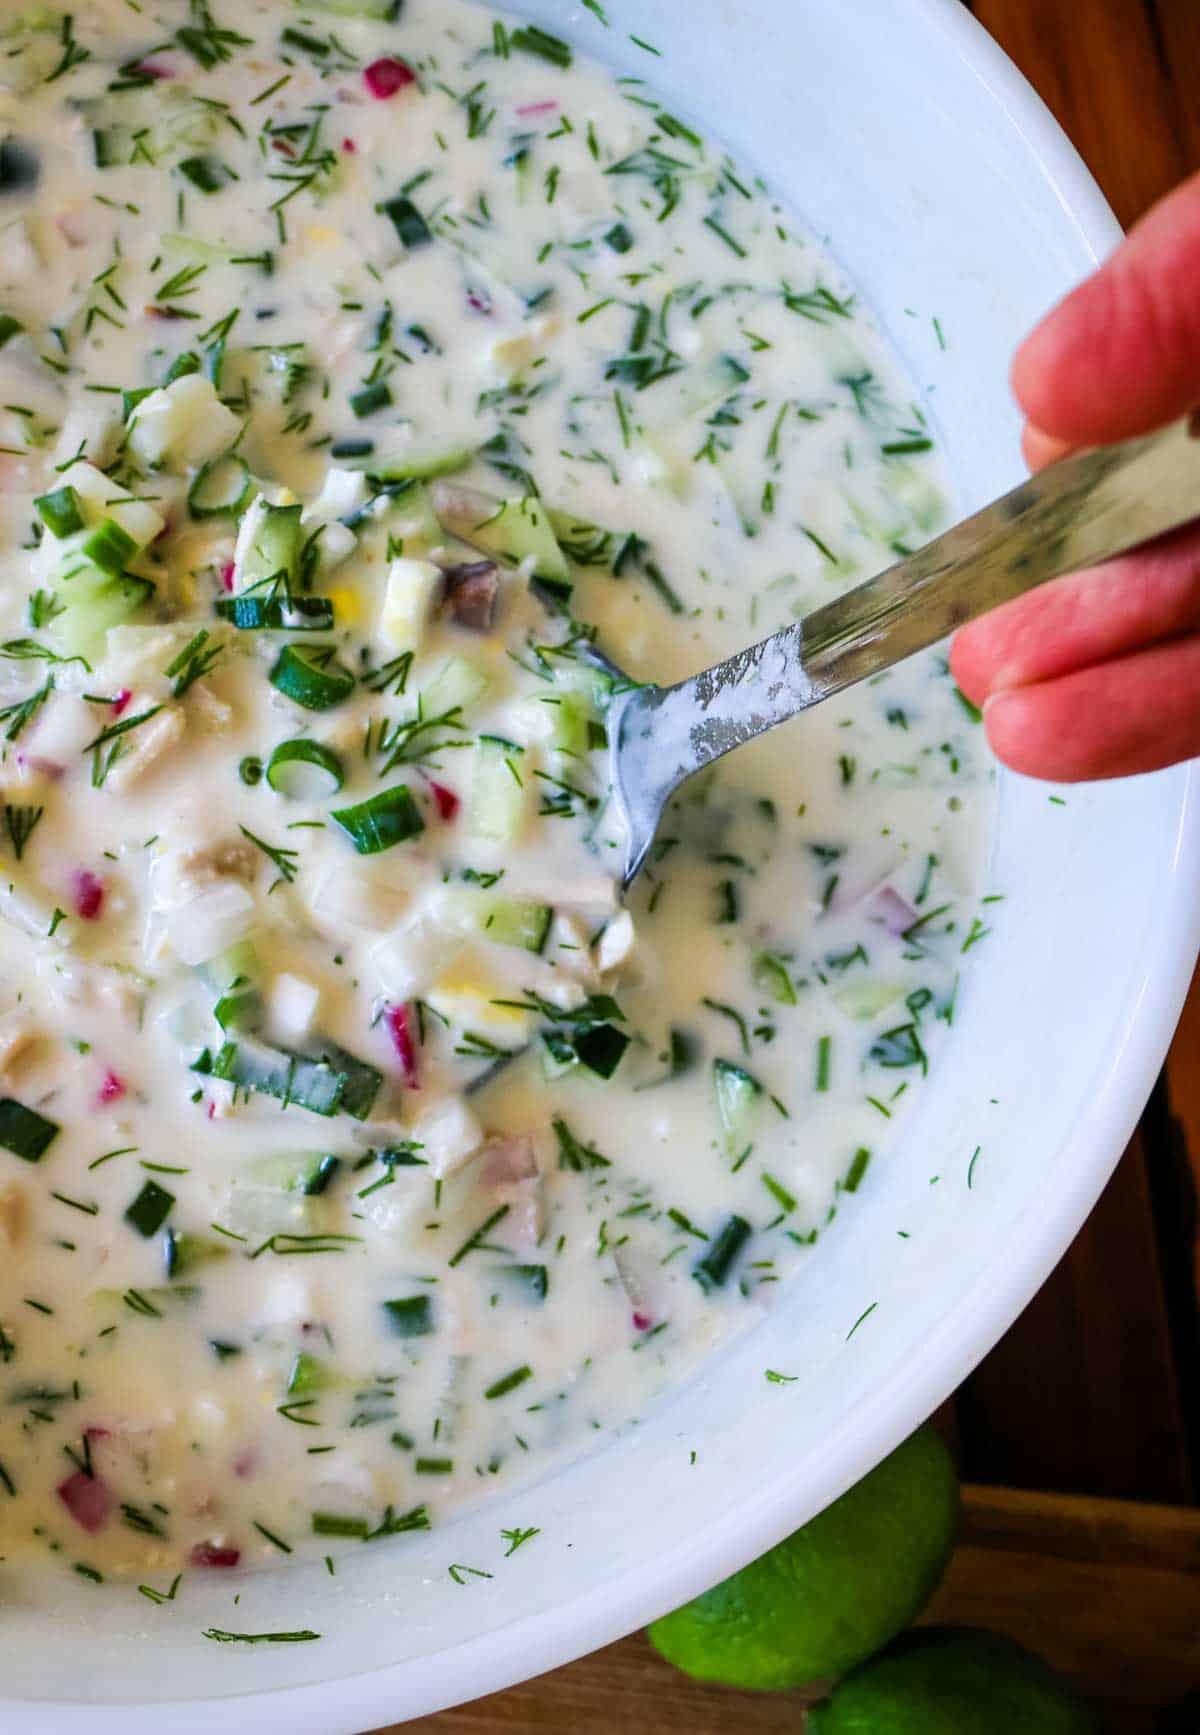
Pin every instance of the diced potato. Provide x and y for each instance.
(411, 596)
(214, 714)
(94, 426)
(449, 1135)
(17, 1037)
(13, 1213)
(292, 1006)
(146, 746)
(183, 424)
(342, 492)
(344, 898)
(616, 942)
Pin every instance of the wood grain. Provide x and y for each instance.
(1098, 65)
(1108, 1591)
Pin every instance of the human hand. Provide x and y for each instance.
(1098, 674)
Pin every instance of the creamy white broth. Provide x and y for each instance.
(351, 1166)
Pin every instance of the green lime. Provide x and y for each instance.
(952, 1681)
(833, 1593)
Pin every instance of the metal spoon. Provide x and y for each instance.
(1083, 510)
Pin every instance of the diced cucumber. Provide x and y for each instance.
(108, 547)
(770, 976)
(511, 531)
(237, 962)
(100, 499)
(292, 1078)
(738, 1094)
(268, 544)
(420, 463)
(92, 606)
(496, 806)
(240, 1007)
(504, 921)
(458, 685)
(308, 1375)
(307, 1172)
(572, 724)
(712, 382)
(387, 10)
(862, 1000)
(183, 1253)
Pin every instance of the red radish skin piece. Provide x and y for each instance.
(445, 799)
(531, 108)
(889, 909)
(89, 1500)
(153, 69)
(87, 891)
(400, 1028)
(642, 1322)
(479, 302)
(245, 1464)
(214, 1554)
(112, 1090)
(44, 767)
(227, 575)
(349, 146)
(121, 701)
(383, 78)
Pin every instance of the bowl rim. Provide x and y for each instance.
(534, 1644)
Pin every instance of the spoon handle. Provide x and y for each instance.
(1078, 512)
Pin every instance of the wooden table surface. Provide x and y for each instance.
(1079, 1436)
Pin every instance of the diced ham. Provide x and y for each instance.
(508, 1160)
(384, 77)
(400, 1028)
(87, 893)
(511, 1174)
(470, 594)
(214, 1554)
(88, 1499)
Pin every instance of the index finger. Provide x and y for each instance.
(1121, 355)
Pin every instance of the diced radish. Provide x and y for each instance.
(531, 108)
(383, 78)
(153, 69)
(479, 301)
(112, 1090)
(448, 803)
(642, 1322)
(214, 1554)
(399, 1023)
(227, 572)
(889, 910)
(349, 146)
(87, 890)
(121, 701)
(89, 1500)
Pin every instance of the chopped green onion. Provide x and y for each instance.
(24, 1132)
(9, 327)
(253, 612)
(331, 1524)
(412, 1316)
(150, 1210)
(221, 489)
(60, 511)
(389, 818)
(208, 174)
(713, 1266)
(291, 766)
(109, 547)
(531, 40)
(409, 224)
(376, 396)
(310, 677)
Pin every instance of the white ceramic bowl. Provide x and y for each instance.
(941, 182)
